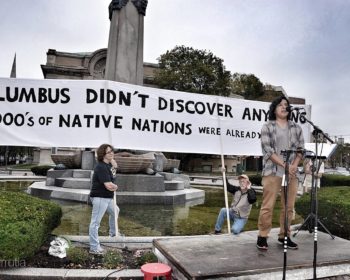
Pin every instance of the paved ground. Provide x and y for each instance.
(19, 175)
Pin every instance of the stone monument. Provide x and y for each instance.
(125, 45)
(124, 63)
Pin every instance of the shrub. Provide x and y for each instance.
(146, 257)
(25, 223)
(255, 179)
(331, 180)
(328, 180)
(41, 169)
(77, 255)
(112, 259)
(333, 209)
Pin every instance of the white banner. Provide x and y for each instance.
(69, 113)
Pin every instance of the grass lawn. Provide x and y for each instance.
(202, 218)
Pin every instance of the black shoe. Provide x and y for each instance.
(217, 232)
(290, 243)
(262, 243)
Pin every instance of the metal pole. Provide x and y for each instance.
(285, 185)
(314, 186)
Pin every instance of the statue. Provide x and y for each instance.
(145, 162)
(140, 5)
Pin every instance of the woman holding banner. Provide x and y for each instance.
(101, 196)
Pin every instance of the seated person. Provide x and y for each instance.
(243, 198)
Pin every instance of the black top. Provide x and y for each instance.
(102, 174)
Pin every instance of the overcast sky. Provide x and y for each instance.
(301, 45)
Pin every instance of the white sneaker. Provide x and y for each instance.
(98, 251)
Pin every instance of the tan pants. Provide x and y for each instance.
(271, 187)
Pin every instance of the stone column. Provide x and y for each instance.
(125, 44)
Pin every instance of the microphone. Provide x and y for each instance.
(301, 150)
(298, 150)
(292, 108)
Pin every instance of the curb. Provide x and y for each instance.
(71, 274)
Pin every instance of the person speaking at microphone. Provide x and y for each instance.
(277, 135)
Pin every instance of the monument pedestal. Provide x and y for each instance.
(162, 188)
(88, 160)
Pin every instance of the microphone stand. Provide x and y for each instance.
(286, 154)
(313, 216)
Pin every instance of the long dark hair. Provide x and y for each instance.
(273, 105)
(101, 151)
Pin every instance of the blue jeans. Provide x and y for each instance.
(238, 223)
(99, 206)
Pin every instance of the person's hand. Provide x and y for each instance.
(114, 188)
(223, 169)
(111, 187)
(114, 163)
(293, 170)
